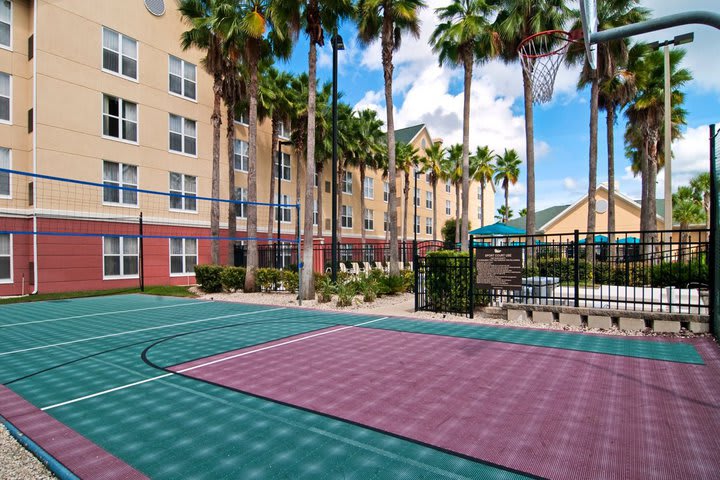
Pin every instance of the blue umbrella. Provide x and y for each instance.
(497, 229)
(597, 239)
(629, 240)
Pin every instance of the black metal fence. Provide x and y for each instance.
(650, 271)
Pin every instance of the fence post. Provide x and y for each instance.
(472, 277)
(576, 269)
(142, 256)
(714, 241)
(416, 273)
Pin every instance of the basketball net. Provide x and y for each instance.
(541, 55)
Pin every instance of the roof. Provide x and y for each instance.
(541, 217)
(406, 135)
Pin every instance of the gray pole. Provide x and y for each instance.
(334, 246)
(686, 18)
(668, 149)
(278, 210)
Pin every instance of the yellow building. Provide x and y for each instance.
(102, 92)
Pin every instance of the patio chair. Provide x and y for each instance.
(379, 266)
(355, 268)
(367, 268)
(343, 268)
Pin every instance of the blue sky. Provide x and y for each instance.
(426, 93)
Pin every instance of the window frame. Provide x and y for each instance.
(240, 208)
(121, 183)
(448, 186)
(9, 175)
(10, 256)
(386, 191)
(121, 256)
(183, 255)
(183, 78)
(120, 55)
(12, 14)
(241, 142)
(371, 182)
(284, 168)
(10, 100)
(121, 119)
(346, 217)
(183, 135)
(345, 183)
(417, 223)
(369, 221)
(448, 207)
(283, 132)
(284, 212)
(428, 226)
(185, 194)
(428, 200)
(386, 222)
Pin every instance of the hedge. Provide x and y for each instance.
(448, 280)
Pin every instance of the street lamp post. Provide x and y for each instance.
(416, 221)
(337, 44)
(278, 172)
(678, 40)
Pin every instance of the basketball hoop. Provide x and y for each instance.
(541, 55)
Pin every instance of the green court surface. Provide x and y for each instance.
(81, 361)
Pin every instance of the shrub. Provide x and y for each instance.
(563, 268)
(408, 277)
(209, 277)
(290, 280)
(448, 280)
(679, 274)
(345, 293)
(369, 291)
(393, 284)
(268, 278)
(232, 278)
(324, 290)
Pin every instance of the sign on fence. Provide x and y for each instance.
(499, 268)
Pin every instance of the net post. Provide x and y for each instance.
(300, 264)
(416, 272)
(471, 277)
(142, 256)
(576, 267)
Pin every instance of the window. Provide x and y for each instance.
(386, 222)
(428, 177)
(5, 258)
(183, 256)
(346, 216)
(119, 176)
(5, 191)
(240, 150)
(386, 191)
(119, 54)
(120, 256)
(317, 180)
(448, 207)
(369, 219)
(285, 212)
(347, 183)
(5, 97)
(316, 218)
(183, 190)
(448, 185)
(479, 195)
(182, 79)
(428, 226)
(417, 224)
(479, 213)
(119, 119)
(285, 168)
(428, 200)
(417, 197)
(283, 129)
(243, 117)
(369, 188)
(183, 137)
(346, 252)
(241, 208)
(6, 23)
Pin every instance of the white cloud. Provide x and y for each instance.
(569, 183)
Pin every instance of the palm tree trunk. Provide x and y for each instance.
(362, 202)
(482, 203)
(457, 213)
(216, 121)
(406, 195)
(308, 285)
(506, 213)
(232, 218)
(338, 220)
(319, 169)
(529, 155)
(252, 251)
(592, 176)
(652, 187)
(274, 175)
(610, 127)
(468, 64)
(435, 207)
(387, 49)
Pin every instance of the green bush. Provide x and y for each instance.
(408, 277)
(448, 280)
(393, 284)
(290, 280)
(209, 277)
(232, 278)
(268, 278)
(324, 289)
(680, 274)
(369, 290)
(563, 268)
(345, 293)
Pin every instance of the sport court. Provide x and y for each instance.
(137, 386)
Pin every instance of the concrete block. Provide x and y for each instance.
(666, 326)
(700, 327)
(542, 317)
(572, 319)
(631, 324)
(599, 321)
(516, 315)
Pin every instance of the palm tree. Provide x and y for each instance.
(522, 213)
(432, 164)
(517, 20)
(482, 171)
(507, 173)
(259, 34)
(316, 17)
(389, 19)
(645, 119)
(204, 35)
(453, 171)
(701, 185)
(365, 151)
(504, 213)
(464, 37)
(612, 86)
(687, 210)
(407, 160)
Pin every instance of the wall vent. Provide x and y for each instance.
(156, 7)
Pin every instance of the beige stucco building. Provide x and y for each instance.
(102, 92)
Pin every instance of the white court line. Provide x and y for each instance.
(152, 379)
(136, 331)
(100, 313)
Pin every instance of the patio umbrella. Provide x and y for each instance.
(497, 229)
(597, 239)
(629, 240)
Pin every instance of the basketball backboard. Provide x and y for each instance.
(588, 16)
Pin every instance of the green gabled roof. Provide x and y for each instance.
(405, 135)
(541, 217)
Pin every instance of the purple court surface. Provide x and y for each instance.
(550, 412)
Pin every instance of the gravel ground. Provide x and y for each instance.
(16, 463)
